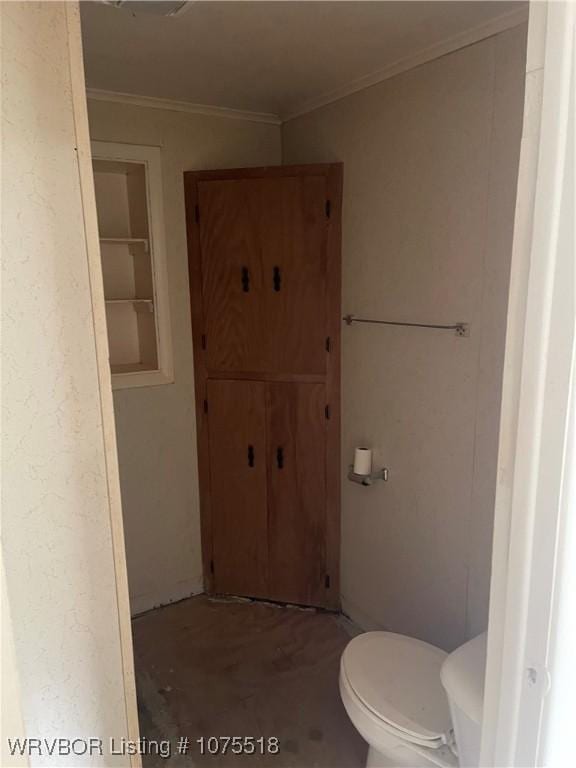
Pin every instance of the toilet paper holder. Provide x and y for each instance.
(379, 474)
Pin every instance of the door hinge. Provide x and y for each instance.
(205, 406)
(327, 343)
(327, 411)
(327, 581)
(212, 566)
(197, 213)
(328, 208)
(203, 341)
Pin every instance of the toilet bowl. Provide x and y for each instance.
(392, 690)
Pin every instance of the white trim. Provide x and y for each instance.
(140, 379)
(158, 598)
(154, 102)
(359, 617)
(537, 389)
(449, 45)
(150, 157)
(86, 178)
(11, 722)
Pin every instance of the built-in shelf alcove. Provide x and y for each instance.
(127, 184)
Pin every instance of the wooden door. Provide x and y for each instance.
(237, 445)
(293, 226)
(231, 268)
(264, 274)
(297, 492)
(264, 260)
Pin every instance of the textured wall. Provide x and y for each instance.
(156, 425)
(57, 538)
(430, 162)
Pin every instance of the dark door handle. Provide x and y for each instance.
(276, 278)
(245, 279)
(250, 455)
(280, 457)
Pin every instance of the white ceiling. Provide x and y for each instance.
(269, 57)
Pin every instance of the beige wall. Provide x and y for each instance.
(430, 161)
(56, 492)
(156, 425)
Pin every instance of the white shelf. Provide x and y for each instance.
(120, 368)
(125, 241)
(139, 306)
(128, 301)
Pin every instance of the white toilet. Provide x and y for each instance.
(399, 693)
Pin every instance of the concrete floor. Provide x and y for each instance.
(229, 668)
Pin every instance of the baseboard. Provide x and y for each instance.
(359, 617)
(142, 603)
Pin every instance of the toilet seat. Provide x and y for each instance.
(396, 680)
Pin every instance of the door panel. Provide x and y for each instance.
(263, 244)
(237, 442)
(292, 235)
(264, 258)
(234, 321)
(297, 492)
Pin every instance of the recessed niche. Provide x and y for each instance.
(129, 249)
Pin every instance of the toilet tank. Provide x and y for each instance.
(462, 676)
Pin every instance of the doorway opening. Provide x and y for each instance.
(317, 174)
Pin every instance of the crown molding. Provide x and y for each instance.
(95, 94)
(449, 45)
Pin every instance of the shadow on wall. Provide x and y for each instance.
(430, 166)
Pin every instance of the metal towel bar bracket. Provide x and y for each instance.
(460, 329)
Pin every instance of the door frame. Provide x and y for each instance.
(333, 174)
(123, 620)
(503, 728)
(527, 666)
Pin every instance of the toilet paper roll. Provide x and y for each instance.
(362, 461)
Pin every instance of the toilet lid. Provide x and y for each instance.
(398, 679)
